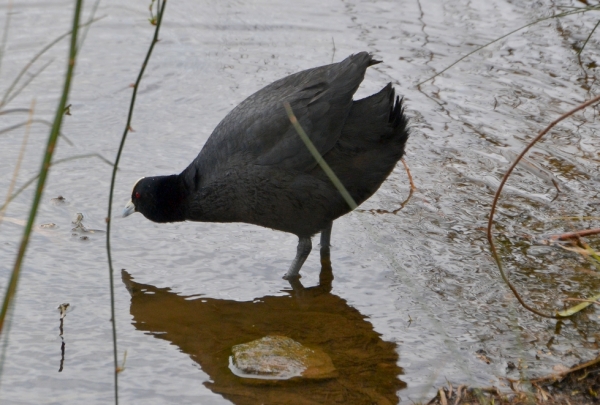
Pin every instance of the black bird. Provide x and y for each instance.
(255, 168)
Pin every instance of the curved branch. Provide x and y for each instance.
(499, 191)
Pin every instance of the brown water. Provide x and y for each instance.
(415, 295)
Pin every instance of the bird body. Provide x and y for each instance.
(255, 168)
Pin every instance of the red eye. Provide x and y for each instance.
(137, 195)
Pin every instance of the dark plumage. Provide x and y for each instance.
(255, 168)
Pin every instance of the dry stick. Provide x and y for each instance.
(410, 179)
(497, 196)
(403, 204)
(575, 235)
(394, 212)
(19, 160)
(561, 374)
(112, 187)
(576, 217)
(459, 394)
(442, 395)
(51, 146)
(582, 300)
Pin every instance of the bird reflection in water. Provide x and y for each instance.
(207, 328)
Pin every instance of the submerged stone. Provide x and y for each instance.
(280, 358)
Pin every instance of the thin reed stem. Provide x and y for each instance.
(15, 110)
(566, 13)
(587, 39)
(26, 83)
(3, 102)
(84, 33)
(112, 187)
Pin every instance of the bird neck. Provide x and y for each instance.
(170, 195)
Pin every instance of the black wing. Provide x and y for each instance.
(258, 131)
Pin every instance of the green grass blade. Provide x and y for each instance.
(313, 150)
(573, 310)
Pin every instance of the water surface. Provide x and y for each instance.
(417, 291)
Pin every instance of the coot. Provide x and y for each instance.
(255, 168)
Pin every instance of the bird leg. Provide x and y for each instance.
(326, 276)
(326, 236)
(324, 286)
(304, 248)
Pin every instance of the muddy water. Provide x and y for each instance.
(416, 299)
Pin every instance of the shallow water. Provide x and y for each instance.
(417, 292)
